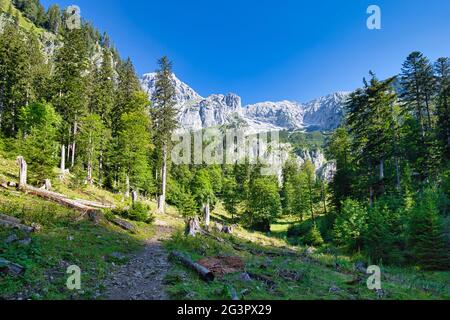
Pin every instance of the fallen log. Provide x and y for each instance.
(204, 273)
(11, 268)
(60, 199)
(124, 224)
(95, 204)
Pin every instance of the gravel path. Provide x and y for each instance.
(142, 278)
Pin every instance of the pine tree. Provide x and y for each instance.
(164, 121)
(14, 64)
(426, 237)
(54, 19)
(418, 87)
(442, 71)
(70, 94)
(128, 85)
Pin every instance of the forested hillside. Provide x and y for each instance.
(74, 109)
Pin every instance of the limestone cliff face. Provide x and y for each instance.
(196, 112)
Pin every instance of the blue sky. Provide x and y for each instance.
(271, 49)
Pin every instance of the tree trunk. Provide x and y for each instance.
(127, 187)
(134, 196)
(397, 173)
(89, 176)
(207, 214)
(193, 227)
(22, 172)
(63, 159)
(75, 129)
(162, 197)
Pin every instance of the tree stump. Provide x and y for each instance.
(193, 227)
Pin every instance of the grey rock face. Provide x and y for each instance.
(196, 112)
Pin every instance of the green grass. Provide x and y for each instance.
(296, 275)
(63, 241)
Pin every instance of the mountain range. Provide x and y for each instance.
(197, 112)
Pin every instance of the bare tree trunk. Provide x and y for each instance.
(89, 177)
(397, 173)
(134, 196)
(127, 186)
(22, 172)
(75, 129)
(63, 159)
(162, 197)
(382, 169)
(207, 214)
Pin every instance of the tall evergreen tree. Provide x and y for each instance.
(14, 65)
(442, 71)
(164, 121)
(70, 85)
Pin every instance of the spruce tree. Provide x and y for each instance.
(14, 65)
(426, 236)
(70, 94)
(164, 121)
(442, 71)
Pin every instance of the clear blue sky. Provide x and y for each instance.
(271, 49)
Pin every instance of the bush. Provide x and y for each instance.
(307, 233)
(138, 212)
(314, 237)
(351, 224)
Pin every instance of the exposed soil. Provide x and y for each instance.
(142, 278)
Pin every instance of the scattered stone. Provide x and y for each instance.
(25, 242)
(124, 225)
(361, 267)
(245, 277)
(334, 289)
(12, 238)
(11, 268)
(310, 250)
(12, 184)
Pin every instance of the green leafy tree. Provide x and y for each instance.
(203, 191)
(134, 146)
(264, 204)
(93, 135)
(39, 126)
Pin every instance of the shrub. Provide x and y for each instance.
(138, 212)
(314, 237)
